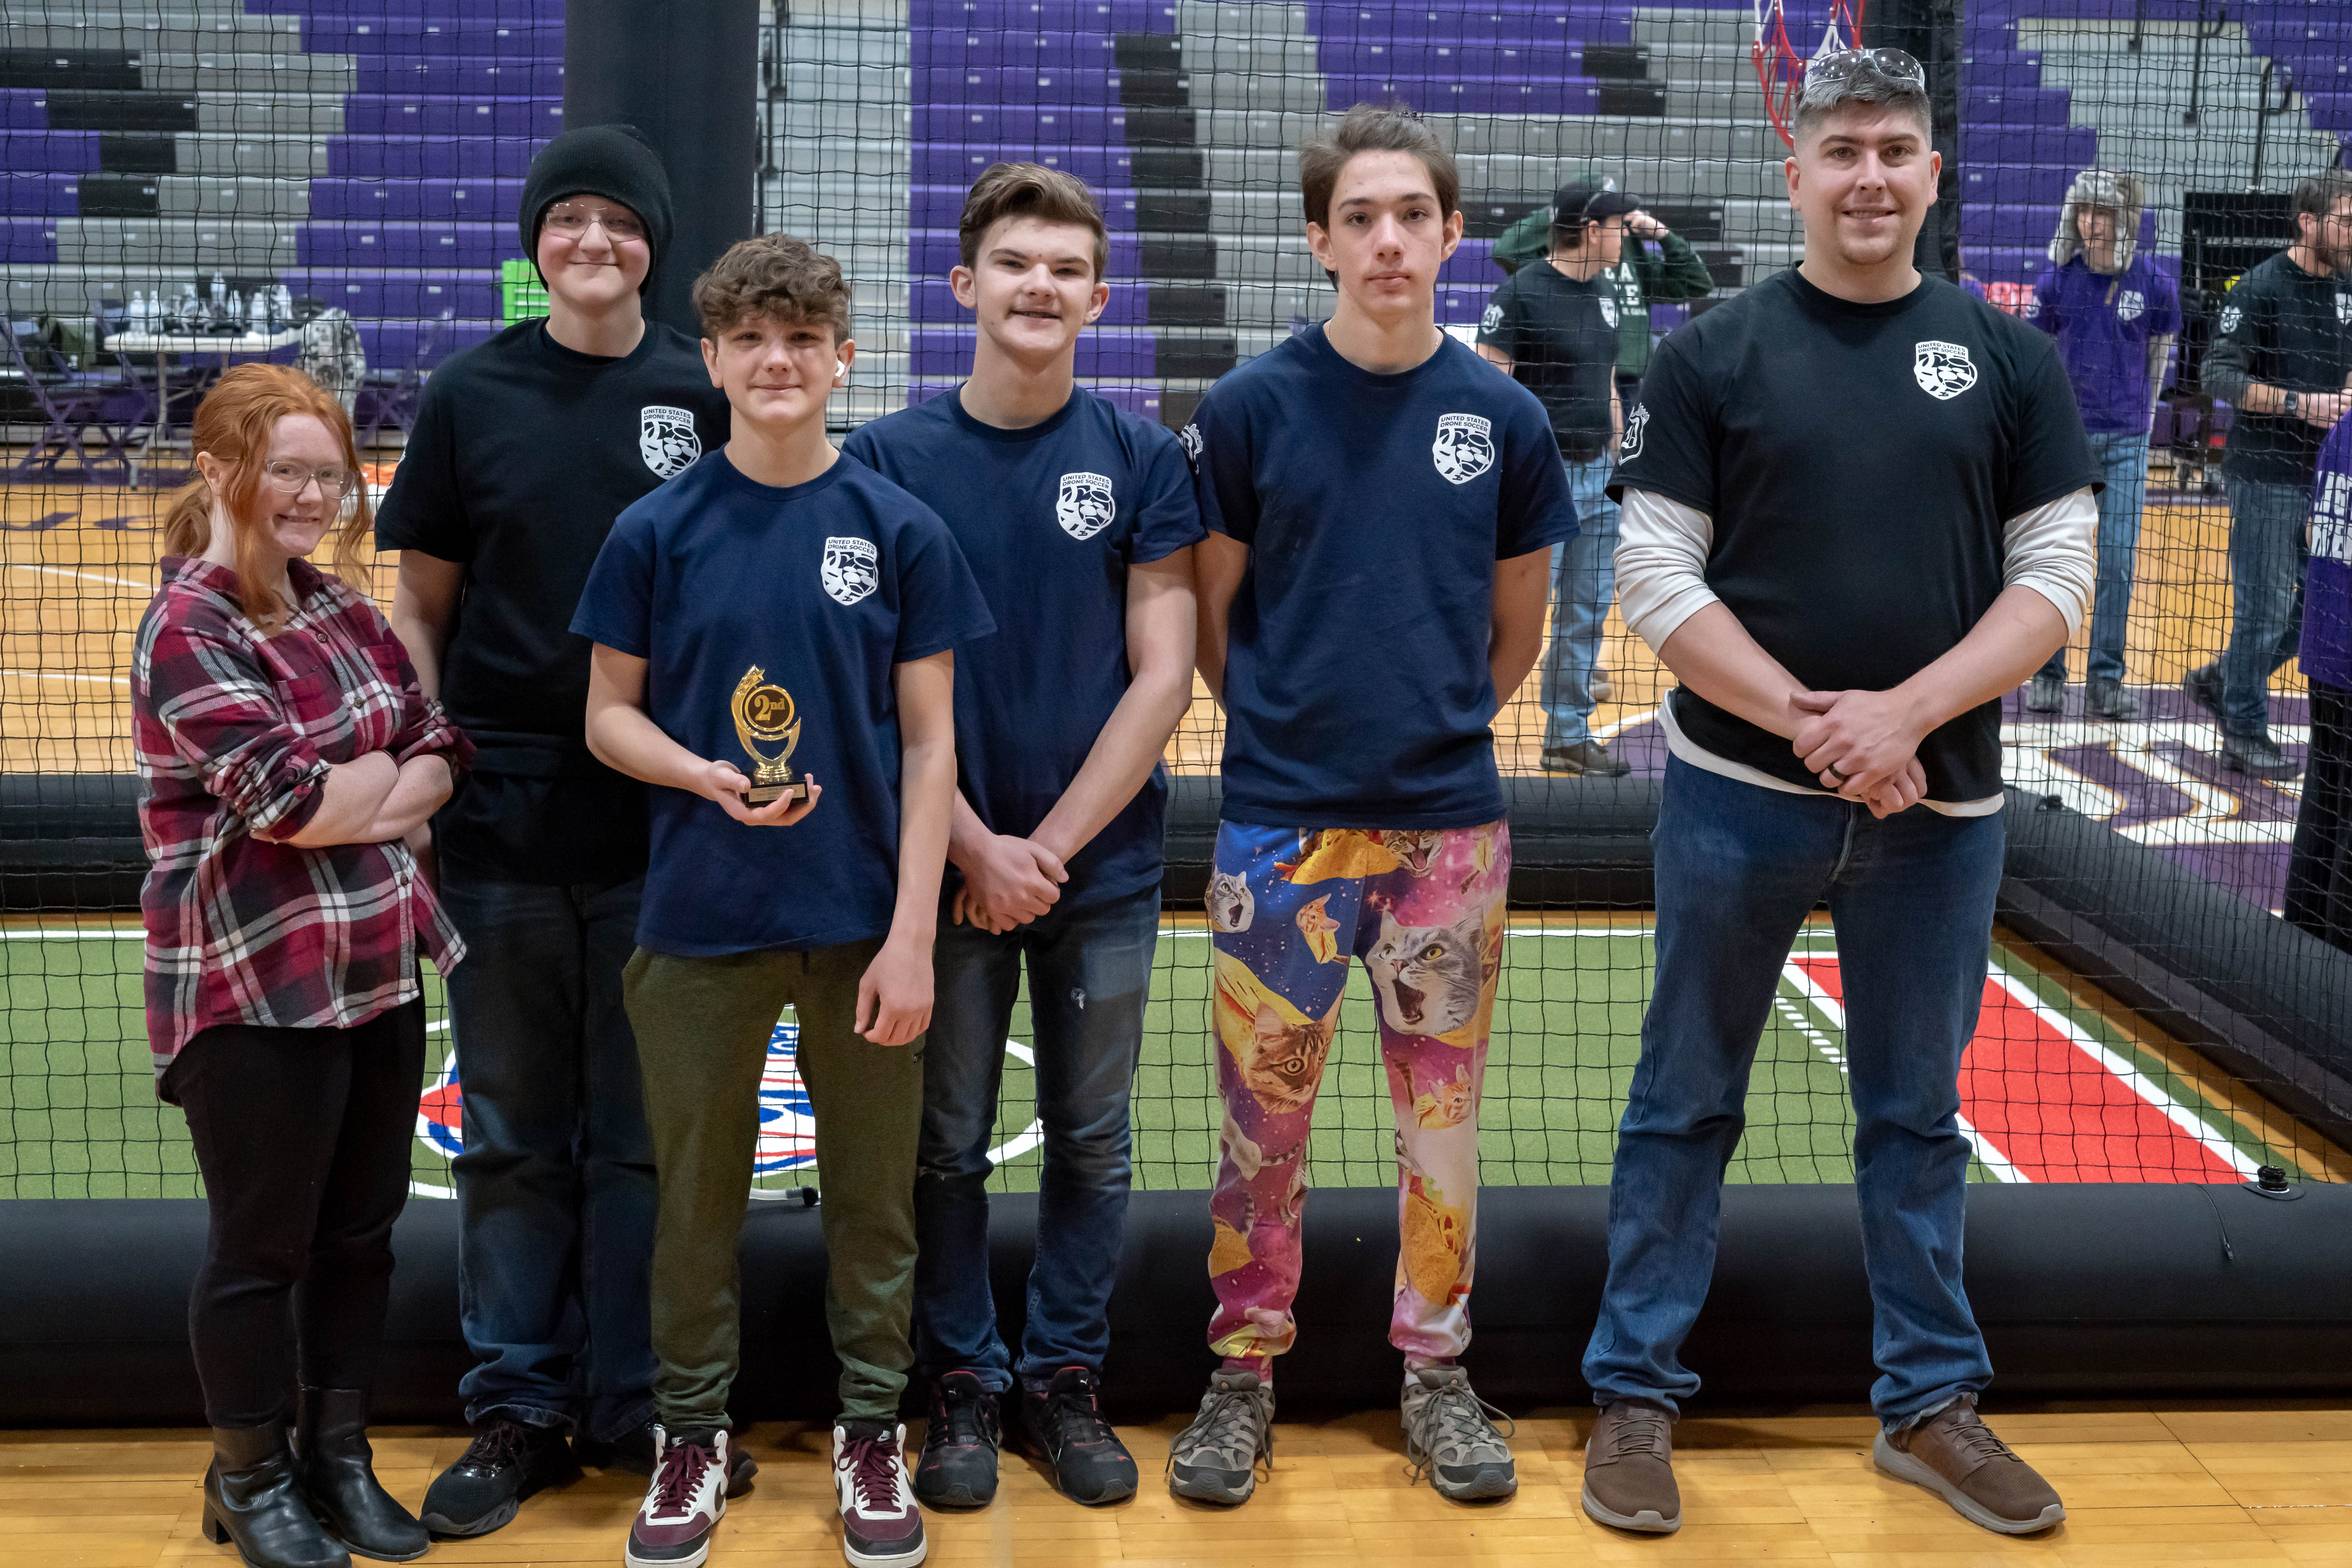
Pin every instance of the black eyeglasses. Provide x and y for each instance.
(1836, 76)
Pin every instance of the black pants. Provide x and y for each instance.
(2319, 869)
(302, 1136)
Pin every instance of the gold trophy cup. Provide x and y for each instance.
(765, 713)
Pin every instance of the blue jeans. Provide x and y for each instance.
(1584, 584)
(2124, 460)
(1089, 974)
(1739, 868)
(555, 1189)
(2266, 562)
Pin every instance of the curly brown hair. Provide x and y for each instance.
(776, 276)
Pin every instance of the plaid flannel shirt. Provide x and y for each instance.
(235, 732)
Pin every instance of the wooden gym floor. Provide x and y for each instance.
(2145, 1486)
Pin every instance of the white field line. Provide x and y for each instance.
(85, 576)
(2002, 1167)
(63, 675)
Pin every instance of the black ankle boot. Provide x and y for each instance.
(335, 1469)
(251, 1498)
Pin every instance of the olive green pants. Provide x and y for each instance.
(702, 1027)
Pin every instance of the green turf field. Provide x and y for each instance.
(79, 1117)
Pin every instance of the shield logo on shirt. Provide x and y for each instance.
(1190, 439)
(1084, 505)
(666, 440)
(1465, 446)
(851, 568)
(1943, 370)
(1491, 320)
(1637, 424)
(1608, 311)
(2232, 316)
(2129, 304)
(2343, 309)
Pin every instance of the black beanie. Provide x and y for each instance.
(615, 161)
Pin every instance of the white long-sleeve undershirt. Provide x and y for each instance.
(1661, 550)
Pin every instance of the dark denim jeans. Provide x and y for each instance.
(555, 1189)
(1739, 868)
(2123, 463)
(2267, 551)
(1089, 974)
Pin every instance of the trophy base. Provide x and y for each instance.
(761, 794)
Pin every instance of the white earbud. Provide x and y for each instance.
(839, 371)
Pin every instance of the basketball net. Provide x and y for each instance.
(1779, 70)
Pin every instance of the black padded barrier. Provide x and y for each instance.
(2084, 1291)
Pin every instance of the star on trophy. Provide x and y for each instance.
(765, 713)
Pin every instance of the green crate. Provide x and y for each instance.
(521, 293)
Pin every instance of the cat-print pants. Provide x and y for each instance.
(1424, 910)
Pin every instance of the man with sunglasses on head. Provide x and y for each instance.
(526, 448)
(1858, 508)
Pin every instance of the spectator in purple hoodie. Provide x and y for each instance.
(2319, 868)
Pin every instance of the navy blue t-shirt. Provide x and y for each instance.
(824, 586)
(1049, 518)
(1357, 691)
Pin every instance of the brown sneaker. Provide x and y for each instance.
(1629, 1470)
(1956, 1455)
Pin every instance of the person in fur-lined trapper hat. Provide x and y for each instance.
(2115, 315)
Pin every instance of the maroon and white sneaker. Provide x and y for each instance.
(685, 1503)
(880, 1526)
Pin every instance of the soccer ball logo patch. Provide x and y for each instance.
(2129, 304)
(1943, 370)
(1608, 311)
(1084, 505)
(1465, 446)
(851, 568)
(1190, 439)
(666, 440)
(1491, 320)
(2232, 316)
(1637, 424)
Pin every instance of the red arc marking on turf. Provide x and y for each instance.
(2052, 1109)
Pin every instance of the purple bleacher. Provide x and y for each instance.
(24, 109)
(353, 243)
(1020, 124)
(945, 162)
(1115, 351)
(1000, 84)
(1070, 15)
(31, 241)
(1471, 267)
(1540, 60)
(2016, 73)
(393, 344)
(417, 114)
(2331, 110)
(2009, 183)
(547, 11)
(415, 294)
(429, 157)
(1552, 24)
(960, 48)
(48, 151)
(2075, 146)
(458, 75)
(489, 38)
(415, 200)
(941, 206)
(1452, 95)
(2033, 106)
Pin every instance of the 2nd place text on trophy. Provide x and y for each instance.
(765, 713)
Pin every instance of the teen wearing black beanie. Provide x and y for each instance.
(526, 448)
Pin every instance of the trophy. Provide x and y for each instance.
(765, 713)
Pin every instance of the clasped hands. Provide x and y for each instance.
(1007, 881)
(1863, 746)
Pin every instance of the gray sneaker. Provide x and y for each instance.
(1215, 1458)
(1629, 1470)
(1449, 1438)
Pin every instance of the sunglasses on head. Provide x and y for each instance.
(1833, 76)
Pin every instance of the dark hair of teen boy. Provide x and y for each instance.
(525, 450)
(1382, 507)
(1058, 499)
(779, 603)
(1837, 737)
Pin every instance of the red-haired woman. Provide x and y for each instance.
(290, 763)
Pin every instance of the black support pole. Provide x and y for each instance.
(685, 72)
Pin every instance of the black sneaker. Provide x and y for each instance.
(507, 1463)
(2203, 686)
(634, 1452)
(2046, 693)
(958, 1468)
(1588, 758)
(1065, 1421)
(2111, 700)
(2258, 755)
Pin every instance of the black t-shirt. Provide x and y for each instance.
(1562, 336)
(2289, 328)
(1858, 462)
(523, 454)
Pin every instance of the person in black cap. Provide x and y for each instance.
(1553, 328)
(525, 449)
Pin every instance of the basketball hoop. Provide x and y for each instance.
(1779, 69)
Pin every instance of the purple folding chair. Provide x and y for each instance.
(78, 411)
